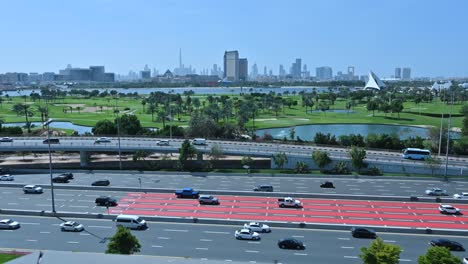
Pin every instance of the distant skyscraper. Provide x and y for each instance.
(182, 70)
(231, 65)
(265, 71)
(397, 73)
(281, 71)
(351, 72)
(406, 74)
(324, 73)
(254, 73)
(296, 69)
(243, 69)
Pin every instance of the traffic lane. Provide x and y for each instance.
(214, 242)
(386, 187)
(65, 200)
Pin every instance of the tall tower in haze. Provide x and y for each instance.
(180, 58)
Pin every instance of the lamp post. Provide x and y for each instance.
(448, 139)
(118, 139)
(50, 163)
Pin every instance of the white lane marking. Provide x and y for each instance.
(164, 238)
(253, 242)
(30, 223)
(216, 232)
(344, 238)
(31, 240)
(84, 234)
(390, 241)
(175, 230)
(201, 248)
(24, 198)
(156, 246)
(300, 254)
(228, 260)
(100, 226)
(298, 236)
(347, 247)
(73, 242)
(405, 260)
(12, 203)
(252, 251)
(44, 232)
(42, 205)
(353, 257)
(206, 240)
(78, 206)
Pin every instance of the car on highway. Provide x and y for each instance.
(131, 222)
(102, 140)
(450, 244)
(69, 175)
(163, 142)
(101, 183)
(448, 209)
(187, 193)
(199, 141)
(60, 179)
(263, 188)
(51, 141)
(7, 177)
(290, 243)
(465, 260)
(436, 192)
(463, 196)
(363, 232)
(327, 184)
(245, 233)
(71, 226)
(6, 139)
(32, 189)
(257, 227)
(9, 224)
(289, 202)
(208, 199)
(106, 201)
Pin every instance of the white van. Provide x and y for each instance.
(130, 221)
(199, 141)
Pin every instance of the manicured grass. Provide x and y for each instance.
(95, 109)
(7, 257)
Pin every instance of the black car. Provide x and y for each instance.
(106, 201)
(51, 141)
(363, 232)
(290, 243)
(451, 245)
(327, 184)
(101, 183)
(60, 179)
(69, 175)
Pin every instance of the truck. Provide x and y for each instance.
(289, 202)
(187, 193)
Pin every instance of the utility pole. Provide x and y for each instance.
(448, 139)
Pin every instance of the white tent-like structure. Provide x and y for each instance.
(374, 82)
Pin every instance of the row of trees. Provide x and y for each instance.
(378, 252)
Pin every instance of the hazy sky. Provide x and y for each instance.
(430, 36)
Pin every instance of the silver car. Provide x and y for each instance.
(448, 209)
(257, 227)
(32, 189)
(9, 224)
(71, 226)
(247, 234)
(436, 192)
(7, 177)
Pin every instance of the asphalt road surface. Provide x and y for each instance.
(213, 242)
(362, 186)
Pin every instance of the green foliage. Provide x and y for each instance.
(357, 158)
(11, 131)
(140, 155)
(340, 168)
(301, 167)
(280, 159)
(432, 163)
(380, 253)
(216, 152)
(438, 255)
(325, 139)
(321, 158)
(123, 242)
(352, 140)
(186, 151)
(372, 105)
(105, 127)
(246, 160)
(129, 125)
(202, 126)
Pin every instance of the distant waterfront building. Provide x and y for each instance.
(93, 73)
(182, 70)
(254, 73)
(243, 69)
(406, 74)
(145, 74)
(398, 73)
(374, 82)
(265, 71)
(48, 77)
(324, 73)
(231, 65)
(281, 72)
(296, 69)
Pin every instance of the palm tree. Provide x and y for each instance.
(143, 103)
(151, 110)
(162, 117)
(44, 112)
(23, 110)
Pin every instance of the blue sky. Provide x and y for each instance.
(429, 36)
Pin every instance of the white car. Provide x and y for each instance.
(9, 224)
(6, 139)
(436, 192)
(247, 234)
(463, 196)
(257, 227)
(102, 140)
(465, 260)
(32, 189)
(71, 226)
(448, 209)
(163, 142)
(7, 177)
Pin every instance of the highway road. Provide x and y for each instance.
(228, 147)
(361, 186)
(212, 242)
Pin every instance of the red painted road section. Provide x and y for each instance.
(349, 212)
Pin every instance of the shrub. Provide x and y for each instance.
(374, 171)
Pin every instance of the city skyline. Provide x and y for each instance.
(124, 36)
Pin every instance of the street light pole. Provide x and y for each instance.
(448, 139)
(47, 123)
(118, 139)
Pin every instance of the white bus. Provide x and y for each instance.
(416, 153)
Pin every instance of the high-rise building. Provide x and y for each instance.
(324, 73)
(406, 74)
(265, 71)
(97, 73)
(243, 69)
(254, 73)
(145, 74)
(350, 72)
(397, 73)
(231, 65)
(296, 69)
(281, 71)
(182, 70)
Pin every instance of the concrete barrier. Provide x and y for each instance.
(321, 226)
